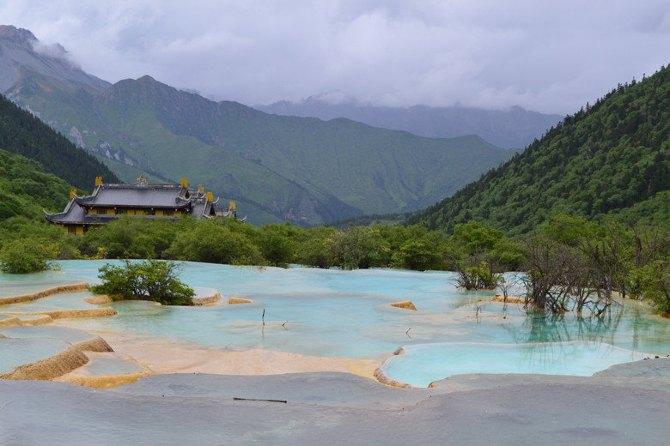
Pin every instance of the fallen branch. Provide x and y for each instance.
(236, 398)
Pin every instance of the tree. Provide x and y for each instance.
(358, 247)
(418, 255)
(23, 256)
(277, 243)
(211, 241)
(153, 280)
(653, 282)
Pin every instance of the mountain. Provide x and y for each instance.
(21, 52)
(23, 133)
(302, 170)
(26, 189)
(511, 128)
(612, 157)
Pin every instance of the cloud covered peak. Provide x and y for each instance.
(550, 56)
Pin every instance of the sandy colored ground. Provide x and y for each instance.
(161, 356)
(166, 356)
(82, 375)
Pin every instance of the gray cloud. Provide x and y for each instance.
(551, 56)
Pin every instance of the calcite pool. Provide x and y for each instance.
(335, 313)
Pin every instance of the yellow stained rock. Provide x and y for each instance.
(99, 299)
(59, 364)
(239, 300)
(44, 293)
(405, 305)
(84, 313)
(35, 319)
(204, 301)
(510, 299)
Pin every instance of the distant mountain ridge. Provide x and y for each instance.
(509, 128)
(302, 170)
(610, 158)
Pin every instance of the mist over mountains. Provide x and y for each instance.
(512, 128)
(280, 168)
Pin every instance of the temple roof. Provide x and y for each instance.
(150, 196)
(155, 196)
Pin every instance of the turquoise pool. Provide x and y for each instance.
(419, 364)
(347, 314)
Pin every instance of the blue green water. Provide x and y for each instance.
(419, 365)
(347, 314)
(26, 345)
(16, 352)
(61, 301)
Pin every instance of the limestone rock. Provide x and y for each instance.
(405, 305)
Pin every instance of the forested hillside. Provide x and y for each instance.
(26, 189)
(606, 158)
(23, 133)
(279, 168)
(302, 170)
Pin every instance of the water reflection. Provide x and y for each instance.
(538, 327)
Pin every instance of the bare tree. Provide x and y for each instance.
(548, 279)
(563, 278)
(504, 286)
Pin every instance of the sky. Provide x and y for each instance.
(545, 55)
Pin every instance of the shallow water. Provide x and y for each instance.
(60, 301)
(419, 364)
(347, 313)
(111, 365)
(16, 352)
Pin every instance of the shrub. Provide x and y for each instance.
(417, 255)
(214, 242)
(277, 244)
(479, 277)
(652, 282)
(315, 248)
(23, 256)
(359, 247)
(132, 238)
(147, 280)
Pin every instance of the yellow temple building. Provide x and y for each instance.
(144, 200)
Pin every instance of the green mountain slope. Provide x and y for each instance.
(302, 170)
(23, 133)
(605, 158)
(26, 189)
(299, 169)
(654, 211)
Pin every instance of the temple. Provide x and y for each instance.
(144, 200)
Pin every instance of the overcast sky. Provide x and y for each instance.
(544, 55)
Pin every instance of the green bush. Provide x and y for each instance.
(211, 241)
(133, 238)
(652, 282)
(61, 244)
(359, 247)
(479, 277)
(278, 243)
(23, 256)
(153, 280)
(418, 255)
(315, 248)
